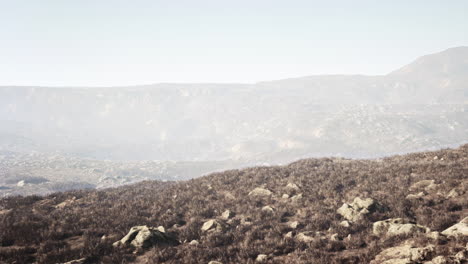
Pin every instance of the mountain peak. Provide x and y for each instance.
(450, 62)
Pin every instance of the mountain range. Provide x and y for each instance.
(421, 106)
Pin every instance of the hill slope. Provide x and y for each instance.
(288, 213)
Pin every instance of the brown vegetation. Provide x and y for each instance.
(84, 224)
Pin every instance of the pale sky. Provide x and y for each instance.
(114, 43)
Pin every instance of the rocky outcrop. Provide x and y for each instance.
(145, 237)
(357, 209)
(260, 192)
(397, 226)
(405, 253)
(457, 230)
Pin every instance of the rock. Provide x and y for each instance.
(212, 225)
(261, 258)
(403, 254)
(454, 193)
(457, 230)
(439, 260)
(345, 223)
(307, 237)
(66, 203)
(397, 226)
(77, 261)
(304, 237)
(267, 209)
(349, 237)
(289, 235)
(434, 235)
(229, 196)
(285, 196)
(5, 211)
(226, 215)
(161, 229)
(462, 255)
(296, 198)
(294, 224)
(214, 262)
(260, 192)
(427, 185)
(335, 237)
(292, 187)
(358, 209)
(415, 196)
(145, 237)
(194, 243)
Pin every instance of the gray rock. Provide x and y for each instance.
(397, 226)
(457, 230)
(296, 198)
(405, 253)
(77, 261)
(260, 192)
(145, 237)
(335, 237)
(304, 237)
(262, 258)
(292, 188)
(194, 243)
(212, 225)
(345, 223)
(226, 215)
(293, 224)
(427, 185)
(268, 209)
(357, 209)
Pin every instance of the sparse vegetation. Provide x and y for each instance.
(84, 224)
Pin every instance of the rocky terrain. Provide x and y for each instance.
(402, 209)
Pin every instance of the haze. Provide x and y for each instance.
(115, 43)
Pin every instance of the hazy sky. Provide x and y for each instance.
(112, 42)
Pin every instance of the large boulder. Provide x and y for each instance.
(357, 209)
(405, 253)
(397, 226)
(145, 237)
(457, 230)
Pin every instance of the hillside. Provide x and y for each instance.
(324, 210)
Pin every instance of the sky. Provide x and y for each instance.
(116, 43)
